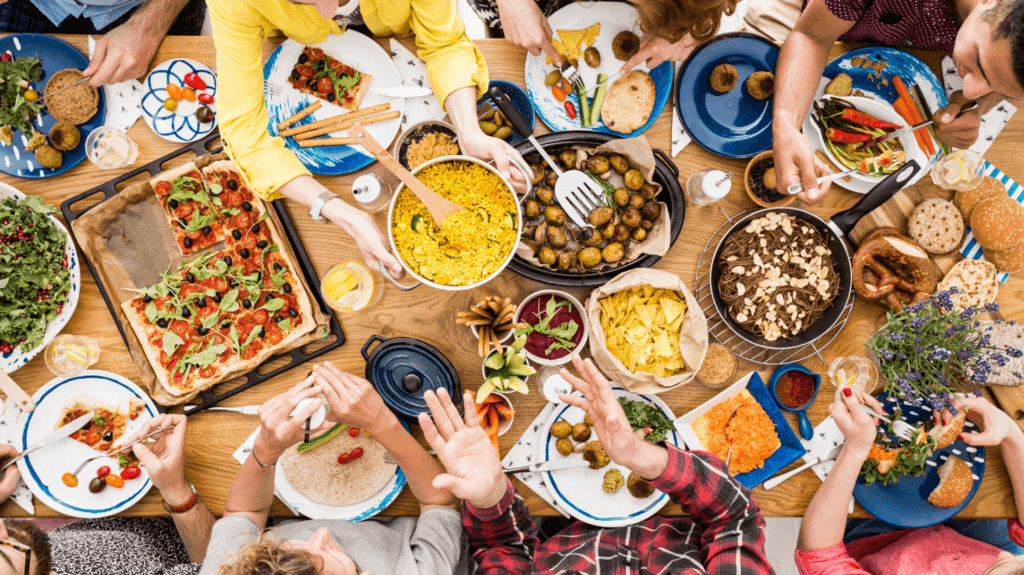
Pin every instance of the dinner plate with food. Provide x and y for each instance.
(923, 481)
(44, 115)
(745, 419)
(106, 485)
(179, 103)
(339, 474)
(604, 493)
(598, 38)
(315, 93)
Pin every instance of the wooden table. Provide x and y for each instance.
(429, 314)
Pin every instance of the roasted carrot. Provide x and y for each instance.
(494, 440)
(922, 135)
(481, 413)
(493, 399)
(492, 422)
(903, 107)
(504, 410)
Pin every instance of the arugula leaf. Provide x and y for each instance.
(171, 342)
(199, 222)
(285, 324)
(230, 301)
(273, 305)
(210, 320)
(649, 417)
(205, 357)
(14, 109)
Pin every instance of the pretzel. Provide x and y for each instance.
(889, 267)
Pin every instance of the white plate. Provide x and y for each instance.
(363, 54)
(181, 125)
(579, 491)
(17, 358)
(42, 470)
(683, 423)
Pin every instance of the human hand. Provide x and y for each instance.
(353, 400)
(473, 471)
(525, 25)
(654, 50)
(997, 425)
(122, 54)
(959, 132)
(11, 475)
(164, 455)
(483, 147)
(794, 164)
(363, 230)
(279, 431)
(857, 425)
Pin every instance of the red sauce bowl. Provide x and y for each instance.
(794, 387)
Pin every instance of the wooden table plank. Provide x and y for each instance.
(430, 314)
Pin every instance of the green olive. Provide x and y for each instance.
(552, 78)
(503, 133)
(488, 128)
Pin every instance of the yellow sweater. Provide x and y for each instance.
(239, 26)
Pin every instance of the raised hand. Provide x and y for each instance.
(164, 455)
(997, 426)
(601, 403)
(353, 399)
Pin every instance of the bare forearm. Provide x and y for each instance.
(1013, 455)
(419, 467)
(825, 520)
(650, 461)
(252, 493)
(156, 16)
(194, 526)
(797, 75)
(461, 107)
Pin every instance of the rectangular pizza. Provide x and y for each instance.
(324, 77)
(190, 209)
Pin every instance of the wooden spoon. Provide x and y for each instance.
(438, 207)
(18, 395)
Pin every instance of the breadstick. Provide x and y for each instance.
(299, 115)
(348, 124)
(335, 119)
(316, 142)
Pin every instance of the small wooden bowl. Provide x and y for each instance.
(746, 185)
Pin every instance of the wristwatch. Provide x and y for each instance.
(318, 206)
(186, 506)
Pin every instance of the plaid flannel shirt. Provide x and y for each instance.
(724, 534)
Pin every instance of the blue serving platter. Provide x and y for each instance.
(790, 450)
(905, 503)
(520, 100)
(806, 429)
(734, 124)
(56, 55)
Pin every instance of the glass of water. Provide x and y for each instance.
(69, 355)
(110, 148)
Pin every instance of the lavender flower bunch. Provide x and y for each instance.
(930, 346)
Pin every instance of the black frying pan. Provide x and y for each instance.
(834, 232)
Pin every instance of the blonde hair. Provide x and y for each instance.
(1009, 566)
(673, 19)
(267, 555)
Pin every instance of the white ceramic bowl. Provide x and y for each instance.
(583, 316)
(484, 369)
(502, 339)
(505, 424)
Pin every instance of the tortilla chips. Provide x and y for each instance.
(570, 41)
(752, 433)
(642, 327)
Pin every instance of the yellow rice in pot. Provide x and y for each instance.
(474, 242)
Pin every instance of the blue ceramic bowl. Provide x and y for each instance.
(806, 429)
(520, 100)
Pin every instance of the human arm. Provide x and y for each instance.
(125, 52)
(354, 401)
(654, 50)
(11, 475)
(461, 106)
(252, 492)
(525, 25)
(962, 132)
(164, 458)
(797, 75)
(497, 522)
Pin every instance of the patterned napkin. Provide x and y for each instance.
(971, 248)
(826, 436)
(991, 123)
(413, 73)
(8, 430)
(242, 453)
(524, 452)
(124, 100)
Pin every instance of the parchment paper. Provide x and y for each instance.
(128, 239)
(693, 335)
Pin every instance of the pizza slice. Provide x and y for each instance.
(324, 77)
(193, 216)
(106, 426)
(239, 205)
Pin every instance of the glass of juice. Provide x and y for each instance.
(350, 287)
(855, 371)
(69, 355)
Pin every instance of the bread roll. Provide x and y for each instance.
(967, 200)
(1009, 261)
(998, 223)
(947, 434)
(955, 482)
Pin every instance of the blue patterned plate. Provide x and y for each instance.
(519, 99)
(353, 49)
(17, 358)
(42, 470)
(614, 17)
(56, 55)
(905, 503)
(181, 125)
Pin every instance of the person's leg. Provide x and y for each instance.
(23, 16)
(991, 531)
(861, 528)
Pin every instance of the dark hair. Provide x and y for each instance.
(1007, 20)
(673, 19)
(27, 533)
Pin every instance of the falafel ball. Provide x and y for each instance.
(638, 487)
(49, 157)
(64, 136)
(761, 85)
(612, 481)
(593, 453)
(723, 78)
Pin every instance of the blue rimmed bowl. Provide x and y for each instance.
(806, 429)
(519, 99)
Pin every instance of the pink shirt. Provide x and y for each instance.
(938, 550)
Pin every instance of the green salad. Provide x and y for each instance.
(15, 78)
(647, 421)
(34, 275)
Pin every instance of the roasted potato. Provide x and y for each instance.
(564, 447)
(580, 432)
(621, 197)
(647, 224)
(592, 57)
(538, 173)
(547, 256)
(631, 217)
(619, 163)
(545, 195)
(567, 260)
(532, 208)
(551, 178)
(639, 234)
(598, 164)
(561, 429)
(608, 230)
(621, 234)
(634, 179)
(554, 215)
(637, 201)
(648, 191)
(651, 211)
(613, 253)
(601, 216)
(556, 237)
(590, 237)
(590, 257)
(552, 78)
(567, 158)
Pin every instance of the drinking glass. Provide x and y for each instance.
(69, 355)
(110, 148)
(855, 371)
(349, 287)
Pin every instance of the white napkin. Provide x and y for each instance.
(524, 452)
(242, 453)
(826, 436)
(413, 73)
(8, 430)
(991, 123)
(124, 100)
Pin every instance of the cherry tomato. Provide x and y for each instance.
(305, 71)
(6, 57)
(343, 458)
(114, 481)
(130, 472)
(204, 114)
(559, 93)
(69, 480)
(174, 91)
(31, 95)
(192, 79)
(205, 98)
(261, 316)
(171, 104)
(356, 454)
(103, 471)
(325, 85)
(566, 86)
(353, 431)
(188, 94)
(570, 109)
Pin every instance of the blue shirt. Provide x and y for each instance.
(101, 12)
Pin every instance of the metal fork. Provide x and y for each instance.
(271, 89)
(570, 73)
(388, 459)
(119, 450)
(901, 428)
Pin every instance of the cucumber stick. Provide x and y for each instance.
(602, 90)
(584, 106)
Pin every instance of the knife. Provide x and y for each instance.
(404, 92)
(549, 466)
(245, 409)
(52, 438)
(911, 129)
(830, 456)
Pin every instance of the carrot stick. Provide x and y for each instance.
(481, 414)
(494, 440)
(492, 421)
(902, 108)
(493, 399)
(504, 410)
(923, 138)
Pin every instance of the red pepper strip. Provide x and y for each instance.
(845, 137)
(858, 117)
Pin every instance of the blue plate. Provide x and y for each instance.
(905, 503)
(520, 100)
(734, 124)
(908, 67)
(56, 55)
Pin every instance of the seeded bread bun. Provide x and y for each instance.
(937, 226)
(998, 223)
(955, 482)
(967, 200)
(946, 434)
(1009, 261)
(76, 104)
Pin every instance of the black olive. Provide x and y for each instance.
(216, 298)
(108, 435)
(187, 242)
(277, 267)
(295, 74)
(203, 331)
(201, 303)
(207, 231)
(278, 319)
(303, 58)
(261, 244)
(227, 260)
(244, 253)
(246, 304)
(330, 96)
(182, 222)
(224, 324)
(287, 288)
(87, 425)
(321, 64)
(162, 323)
(246, 206)
(270, 296)
(232, 282)
(173, 204)
(232, 185)
(185, 312)
(190, 278)
(293, 313)
(263, 331)
(146, 299)
(236, 234)
(97, 484)
(255, 228)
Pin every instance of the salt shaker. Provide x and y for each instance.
(708, 186)
(372, 193)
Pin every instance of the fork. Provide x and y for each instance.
(901, 428)
(271, 89)
(388, 459)
(119, 450)
(570, 73)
